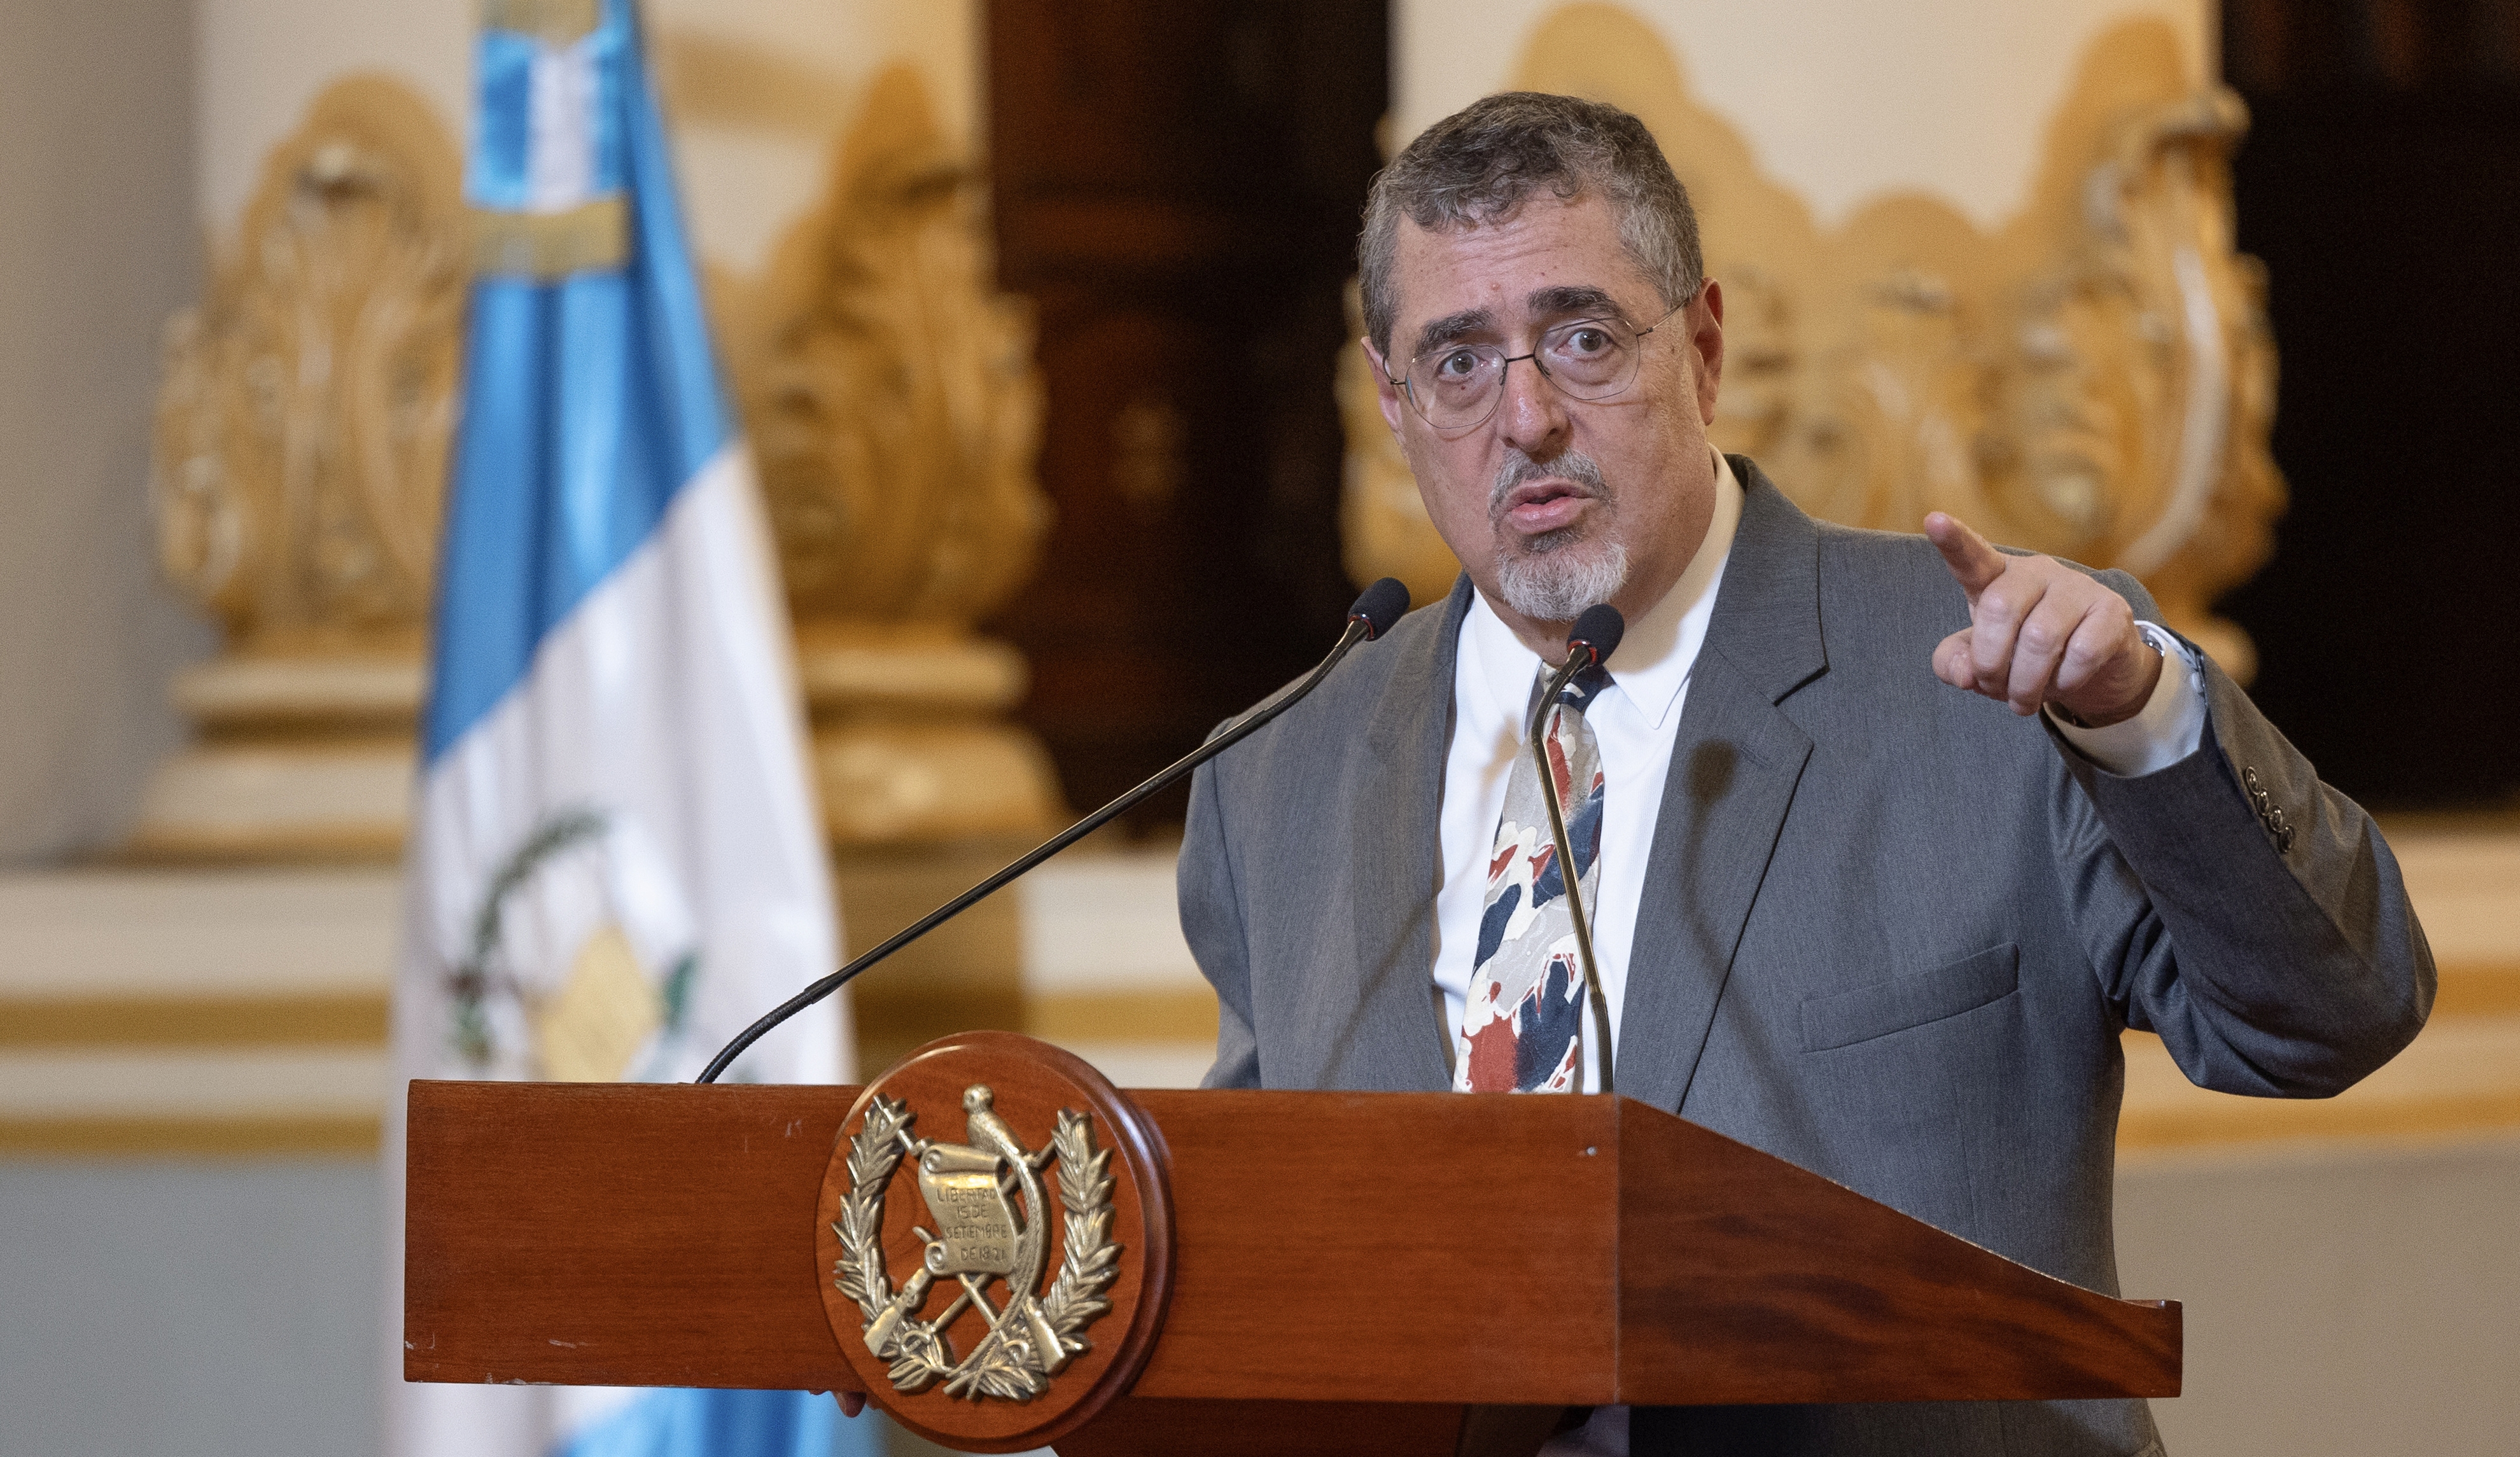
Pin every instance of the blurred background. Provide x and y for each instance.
(1038, 317)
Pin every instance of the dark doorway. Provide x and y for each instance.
(2381, 185)
(1177, 186)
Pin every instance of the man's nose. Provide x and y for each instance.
(1532, 417)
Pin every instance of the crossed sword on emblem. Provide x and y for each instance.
(995, 1142)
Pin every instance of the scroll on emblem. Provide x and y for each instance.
(986, 1248)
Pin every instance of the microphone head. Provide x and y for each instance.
(1597, 632)
(1381, 605)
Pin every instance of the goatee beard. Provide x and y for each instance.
(1553, 577)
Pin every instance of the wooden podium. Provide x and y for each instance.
(1314, 1272)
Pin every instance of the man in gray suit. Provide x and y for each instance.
(1895, 834)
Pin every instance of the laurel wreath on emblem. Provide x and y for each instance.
(1032, 1336)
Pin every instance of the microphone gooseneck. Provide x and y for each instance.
(1595, 637)
(1373, 616)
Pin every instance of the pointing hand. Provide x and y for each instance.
(2040, 632)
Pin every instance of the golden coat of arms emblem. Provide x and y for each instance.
(995, 1275)
(987, 1249)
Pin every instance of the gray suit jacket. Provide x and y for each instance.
(1890, 931)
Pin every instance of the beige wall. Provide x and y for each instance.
(757, 90)
(97, 246)
(263, 61)
(1840, 100)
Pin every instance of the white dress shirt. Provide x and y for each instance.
(1636, 721)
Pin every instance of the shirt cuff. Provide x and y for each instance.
(2169, 729)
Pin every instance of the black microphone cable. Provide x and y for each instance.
(1373, 616)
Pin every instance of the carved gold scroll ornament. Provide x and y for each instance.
(895, 412)
(301, 448)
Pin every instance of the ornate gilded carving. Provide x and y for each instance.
(2166, 343)
(303, 427)
(895, 414)
(2095, 379)
(894, 407)
(302, 430)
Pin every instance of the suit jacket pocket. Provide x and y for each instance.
(1906, 1001)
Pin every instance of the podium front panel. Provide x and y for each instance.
(1383, 1246)
(618, 1234)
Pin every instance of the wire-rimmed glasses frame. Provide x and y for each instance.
(1456, 386)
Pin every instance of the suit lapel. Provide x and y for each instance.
(1733, 768)
(1395, 835)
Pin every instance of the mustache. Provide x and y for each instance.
(1517, 469)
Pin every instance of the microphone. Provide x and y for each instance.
(1588, 643)
(1375, 613)
(1595, 637)
(1381, 605)
(1597, 632)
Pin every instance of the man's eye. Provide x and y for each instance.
(1584, 340)
(1460, 364)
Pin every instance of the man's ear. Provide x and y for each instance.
(1706, 339)
(1385, 393)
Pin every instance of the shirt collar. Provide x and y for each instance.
(1655, 657)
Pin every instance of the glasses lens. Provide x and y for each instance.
(1589, 358)
(1456, 385)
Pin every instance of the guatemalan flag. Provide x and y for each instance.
(615, 862)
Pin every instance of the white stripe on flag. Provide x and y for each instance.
(560, 154)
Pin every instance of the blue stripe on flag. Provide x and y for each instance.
(619, 71)
(503, 129)
(588, 404)
(714, 1424)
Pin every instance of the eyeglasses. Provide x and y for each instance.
(1457, 385)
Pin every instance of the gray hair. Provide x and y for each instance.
(1480, 163)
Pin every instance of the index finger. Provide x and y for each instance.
(1973, 563)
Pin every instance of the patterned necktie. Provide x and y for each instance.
(1522, 1027)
